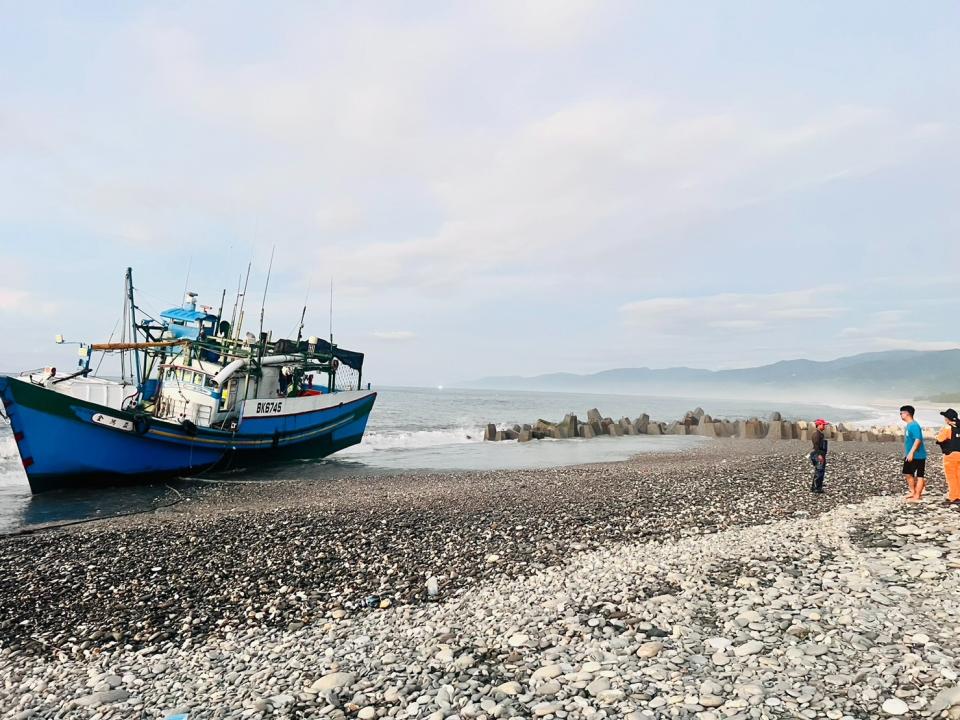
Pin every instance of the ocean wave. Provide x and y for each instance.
(8, 447)
(374, 441)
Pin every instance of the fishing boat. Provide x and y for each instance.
(193, 397)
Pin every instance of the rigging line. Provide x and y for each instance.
(155, 302)
(56, 526)
(103, 354)
(144, 312)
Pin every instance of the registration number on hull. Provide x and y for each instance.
(113, 422)
(269, 407)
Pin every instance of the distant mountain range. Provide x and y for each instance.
(878, 375)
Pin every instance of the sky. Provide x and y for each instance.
(492, 187)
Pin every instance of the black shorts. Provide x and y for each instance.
(915, 467)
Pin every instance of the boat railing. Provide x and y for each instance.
(29, 373)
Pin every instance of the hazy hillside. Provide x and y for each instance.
(898, 373)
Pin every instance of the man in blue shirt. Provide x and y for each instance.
(915, 455)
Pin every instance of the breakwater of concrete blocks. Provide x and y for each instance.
(695, 422)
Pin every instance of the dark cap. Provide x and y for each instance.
(950, 414)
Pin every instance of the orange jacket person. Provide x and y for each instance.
(949, 441)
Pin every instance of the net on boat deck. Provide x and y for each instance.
(346, 378)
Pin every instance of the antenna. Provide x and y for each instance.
(265, 286)
(186, 283)
(331, 312)
(302, 316)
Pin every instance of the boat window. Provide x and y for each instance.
(197, 379)
(182, 374)
(228, 396)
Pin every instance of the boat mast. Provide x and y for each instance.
(133, 324)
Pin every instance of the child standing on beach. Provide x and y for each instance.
(915, 458)
(818, 455)
(949, 441)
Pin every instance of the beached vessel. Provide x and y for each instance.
(193, 397)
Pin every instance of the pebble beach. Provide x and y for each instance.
(705, 584)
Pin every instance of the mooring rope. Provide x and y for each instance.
(68, 523)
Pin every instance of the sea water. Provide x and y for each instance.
(417, 429)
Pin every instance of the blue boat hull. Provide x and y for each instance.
(61, 445)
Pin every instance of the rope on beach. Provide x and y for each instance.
(56, 526)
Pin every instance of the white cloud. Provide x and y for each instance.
(889, 343)
(883, 323)
(729, 313)
(546, 23)
(574, 184)
(318, 140)
(393, 335)
(12, 299)
(443, 159)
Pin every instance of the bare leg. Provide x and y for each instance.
(921, 486)
(910, 484)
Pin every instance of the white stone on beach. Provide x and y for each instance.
(895, 706)
(518, 640)
(649, 649)
(625, 630)
(711, 701)
(751, 647)
(546, 708)
(333, 681)
(547, 672)
(945, 699)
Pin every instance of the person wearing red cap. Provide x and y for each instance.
(818, 455)
(949, 441)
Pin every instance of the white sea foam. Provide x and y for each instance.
(374, 441)
(8, 447)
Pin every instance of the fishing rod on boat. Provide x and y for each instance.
(243, 301)
(302, 316)
(266, 285)
(300, 329)
(261, 339)
(233, 314)
(223, 297)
